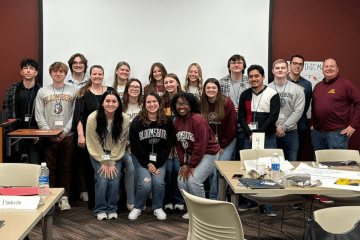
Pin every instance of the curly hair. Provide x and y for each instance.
(125, 100)
(219, 102)
(186, 85)
(143, 115)
(193, 101)
(101, 121)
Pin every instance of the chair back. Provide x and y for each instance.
(252, 154)
(336, 155)
(337, 219)
(211, 219)
(19, 174)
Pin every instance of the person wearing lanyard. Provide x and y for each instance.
(232, 86)
(54, 110)
(122, 73)
(259, 108)
(156, 79)
(173, 198)
(88, 100)
(292, 104)
(152, 137)
(219, 112)
(106, 142)
(19, 104)
(194, 81)
(78, 66)
(196, 145)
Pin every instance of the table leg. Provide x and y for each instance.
(222, 183)
(235, 199)
(48, 224)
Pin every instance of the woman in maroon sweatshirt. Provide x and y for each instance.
(219, 112)
(196, 144)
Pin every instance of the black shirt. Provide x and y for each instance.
(25, 105)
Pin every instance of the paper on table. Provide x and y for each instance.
(284, 165)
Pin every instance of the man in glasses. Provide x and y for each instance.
(78, 66)
(296, 66)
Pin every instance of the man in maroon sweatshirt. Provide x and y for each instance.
(331, 125)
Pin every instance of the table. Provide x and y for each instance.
(228, 168)
(18, 224)
(45, 211)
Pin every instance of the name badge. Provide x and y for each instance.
(27, 118)
(281, 115)
(217, 137)
(152, 157)
(59, 123)
(253, 126)
(105, 157)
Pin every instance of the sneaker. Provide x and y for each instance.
(179, 206)
(248, 205)
(130, 206)
(269, 210)
(185, 216)
(160, 214)
(316, 197)
(84, 196)
(134, 214)
(169, 206)
(64, 204)
(323, 200)
(298, 206)
(112, 216)
(101, 216)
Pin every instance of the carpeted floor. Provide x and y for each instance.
(80, 223)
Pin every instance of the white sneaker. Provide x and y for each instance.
(134, 214)
(84, 196)
(101, 216)
(130, 206)
(185, 216)
(112, 216)
(178, 206)
(160, 214)
(169, 206)
(64, 204)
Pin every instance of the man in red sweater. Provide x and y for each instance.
(331, 125)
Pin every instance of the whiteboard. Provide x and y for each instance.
(141, 32)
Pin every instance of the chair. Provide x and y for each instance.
(336, 155)
(211, 219)
(19, 174)
(337, 219)
(270, 199)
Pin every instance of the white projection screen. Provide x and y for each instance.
(141, 32)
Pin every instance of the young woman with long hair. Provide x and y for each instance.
(132, 101)
(106, 143)
(219, 112)
(122, 73)
(88, 100)
(196, 144)
(173, 198)
(156, 79)
(151, 139)
(193, 80)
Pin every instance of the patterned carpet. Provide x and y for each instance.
(80, 223)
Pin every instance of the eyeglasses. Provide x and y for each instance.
(78, 63)
(297, 64)
(236, 62)
(182, 105)
(134, 87)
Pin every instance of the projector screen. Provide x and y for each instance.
(142, 32)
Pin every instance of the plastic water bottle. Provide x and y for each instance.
(44, 181)
(275, 168)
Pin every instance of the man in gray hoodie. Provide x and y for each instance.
(292, 103)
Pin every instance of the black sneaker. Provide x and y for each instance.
(298, 206)
(248, 205)
(269, 210)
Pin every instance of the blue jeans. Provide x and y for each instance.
(195, 185)
(270, 141)
(145, 182)
(289, 144)
(240, 145)
(213, 177)
(172, 192)
(106, 190)
(130, 175)
(329, 140)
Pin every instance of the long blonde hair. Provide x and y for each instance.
(115, 83)
(186, 85)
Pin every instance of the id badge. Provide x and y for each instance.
(27, 118)
(217, 138)
(106, 156)
(152, 157)
(281, 115)
(253, 126)
(59, 123)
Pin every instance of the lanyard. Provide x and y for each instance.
(97, 101)
(56, 102)
(238, 95)
(257, 105)
(152, 138)
(184, 142)
(27, 98)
